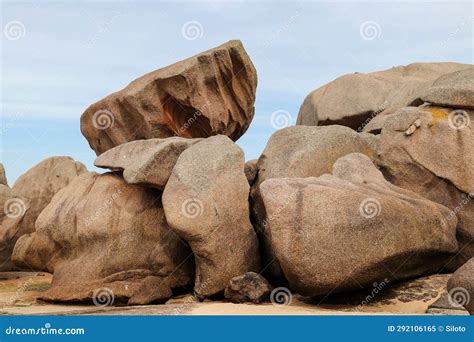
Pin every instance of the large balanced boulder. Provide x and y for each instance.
(352, 100)
(429, 150)
(461, 287)
(30, 194)
(346, 230)
(301, 151)
(206, 203)
(208, 94)
(145, 162)
(100, 234)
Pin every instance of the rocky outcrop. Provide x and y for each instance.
(145, 162)
(209, 94)
(3, 176)
(31, 193)
(461, 287)
(248, 287)
(347, 230)
(206, 203)
(353, 100)
(428, 150)
(108, 241)
(301, 151)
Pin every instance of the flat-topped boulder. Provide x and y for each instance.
(145, 162)
(208, 94)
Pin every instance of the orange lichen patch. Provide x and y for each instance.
(437, 114)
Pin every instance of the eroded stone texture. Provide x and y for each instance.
(100, 235)
(346, 230)
(208, 94)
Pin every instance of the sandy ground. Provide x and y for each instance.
(19, 290)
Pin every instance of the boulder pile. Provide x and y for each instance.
(375, 184)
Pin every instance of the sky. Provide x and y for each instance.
(59, 57)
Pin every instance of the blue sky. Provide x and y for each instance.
(67, 55)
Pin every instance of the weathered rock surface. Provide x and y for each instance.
(106, 240)
(145, 162)
(206, 203)
(248, 287)
(12, 211)
(455, 90)
(302, 151)
(350, 229)
(461, 287)
(430, 151)
(31, 193)
(3, 176)
(209, 94)
(251, 170)
(352, 100)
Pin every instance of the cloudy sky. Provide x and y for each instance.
(59, 57)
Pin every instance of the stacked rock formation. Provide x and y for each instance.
(375, 183)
